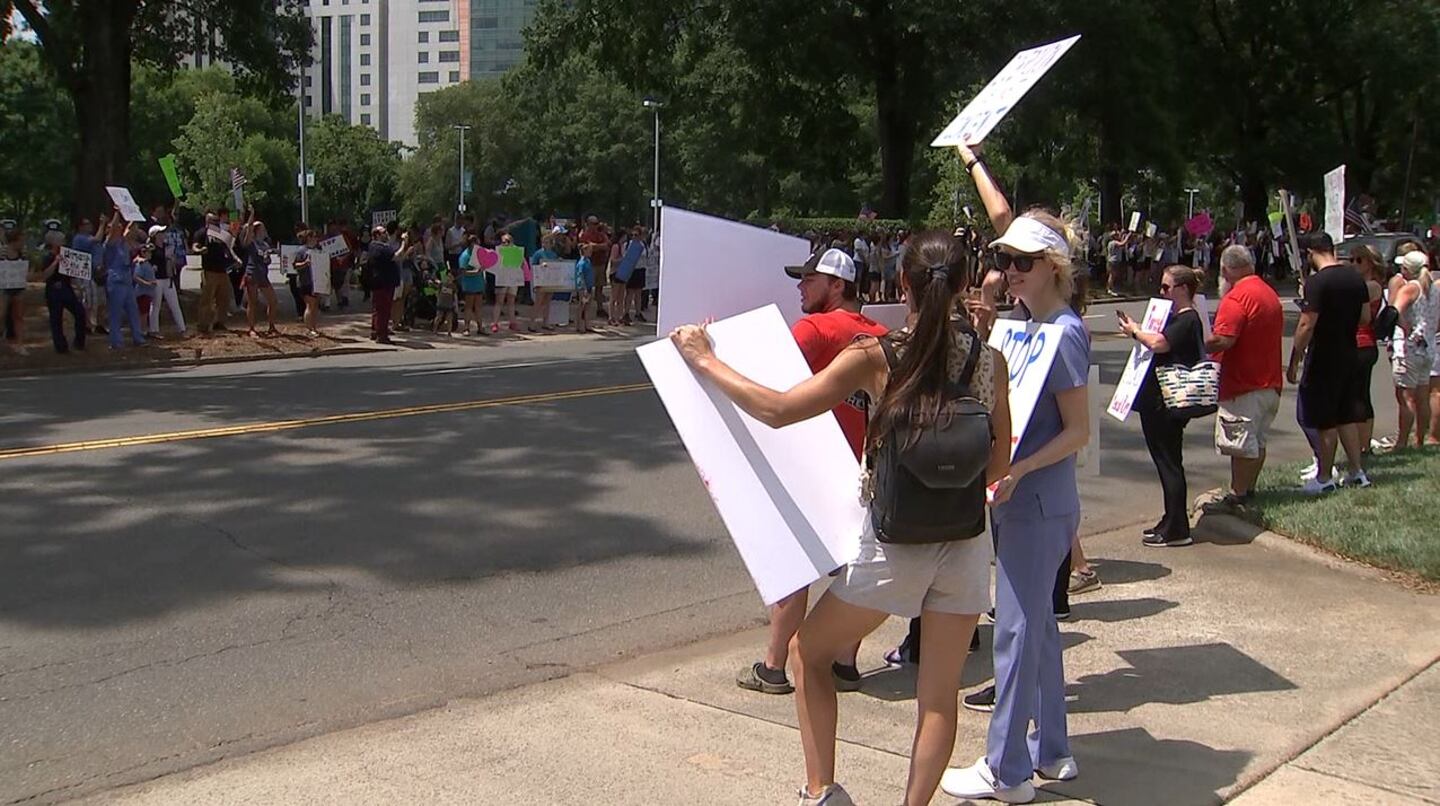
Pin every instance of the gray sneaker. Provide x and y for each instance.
(750, 678)
(832, 795)
(1083, 582)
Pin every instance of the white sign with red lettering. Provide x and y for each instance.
(1139, 364)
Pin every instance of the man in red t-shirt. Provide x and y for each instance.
(1246, 341)
(594, 233)
(831, 302)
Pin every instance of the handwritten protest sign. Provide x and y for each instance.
(1135, 221)
(1335, 204)
(125, 203)
(554, 274)
(287, 258)
(510, 272)
(13, 273)
(789, 497)
(1139, 362)
(320, 272)
(1003, 92)
(380, 218)
(74, 263)
(1029, 349)
(334, 246)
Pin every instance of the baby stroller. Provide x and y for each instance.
(420, 304)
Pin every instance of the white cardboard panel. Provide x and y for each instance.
(789, 497)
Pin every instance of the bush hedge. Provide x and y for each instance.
(800, 226)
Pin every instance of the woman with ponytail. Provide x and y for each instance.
(1036, 514)
(946, 584)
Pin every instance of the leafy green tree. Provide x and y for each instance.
(229, 131)
(355, 170)
(89, 46)
(37, 158)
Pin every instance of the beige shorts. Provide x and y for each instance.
(903, 580)
(1242, 425)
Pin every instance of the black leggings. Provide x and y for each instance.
(1369, 357)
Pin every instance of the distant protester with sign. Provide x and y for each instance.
(60, 295)
(1035, 516)
(911, 376)
(14, 298)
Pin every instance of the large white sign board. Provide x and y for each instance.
(13, 273)
(981, 115)
(554, 274)
(1139, 363)
(1029, 349)
(891, 314)
(125, 203)
(713, 268)
(789, 497)
(1335, 204)
(320, 272)
(74, 263)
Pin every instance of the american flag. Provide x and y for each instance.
(1357, 218)
(237, 179)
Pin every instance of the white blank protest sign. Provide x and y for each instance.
(125, 203)
(320, 272)
(554, 274)
(714, 268)
(1005, 90)
(789, 497)
(890, 314)
(1335, 204)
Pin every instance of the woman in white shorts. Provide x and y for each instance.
(946, 584)
(1412, 346)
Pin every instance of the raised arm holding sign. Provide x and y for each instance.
(998, 97)
(125, 203)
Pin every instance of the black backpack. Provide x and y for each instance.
(930, 487)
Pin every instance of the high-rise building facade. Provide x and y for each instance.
(373, 59)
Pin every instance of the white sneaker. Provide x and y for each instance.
(1357, 480)
(1311, 471)
(1318, 487)
(1065, 769)
(976, 782)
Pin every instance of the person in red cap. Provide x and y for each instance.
(830, 298)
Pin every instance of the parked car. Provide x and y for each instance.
(1384, 242)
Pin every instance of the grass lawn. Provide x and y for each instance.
(1394, 524)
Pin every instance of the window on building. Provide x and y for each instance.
(364, 79)
(454, 76)
(309, 101)
(435, 16)
(364, 120)
(449, 36)
(424, 36)
(430, 77)
(364, 19)
(449, 56)
(364, 40)
(364, 99)
(422, 57)
(485, 23)
(364, 60)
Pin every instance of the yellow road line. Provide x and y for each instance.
(309, 422)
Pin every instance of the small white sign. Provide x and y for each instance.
(1003, 92)
(554, 274)
(287, 258)
(891, 314)
(1029, 349)
(125, 203)
(1151, 229)
(1135, 221)
(1335, 204)
(320, 272)
(334, 246)
(14, 273)
(380, 218)
(1139, 362)
(74, 263)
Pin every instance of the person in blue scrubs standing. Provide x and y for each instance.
(1036, 514)
(120, 284)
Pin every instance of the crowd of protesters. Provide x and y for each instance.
(438, 275)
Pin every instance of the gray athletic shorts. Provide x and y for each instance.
(902, 580)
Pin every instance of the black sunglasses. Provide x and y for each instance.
(1022, 263)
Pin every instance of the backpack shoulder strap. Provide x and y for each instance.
(961, 386)
(886, 345)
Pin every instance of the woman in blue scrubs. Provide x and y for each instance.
(1035, 516)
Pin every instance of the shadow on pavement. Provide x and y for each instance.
(897, 683)
(1124, 572)
(1131, 767)
(1175, 676)
(1115, 610)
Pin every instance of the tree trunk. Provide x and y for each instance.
(1110, 196)
(101, 91)
(895, 125)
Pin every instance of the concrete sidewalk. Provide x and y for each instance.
(1194, 674)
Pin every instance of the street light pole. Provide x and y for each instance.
(1192, 192)
(460, 179)
(654, 105)
(302, 181)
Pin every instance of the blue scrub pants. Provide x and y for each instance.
(1029, 674)
(124, 309)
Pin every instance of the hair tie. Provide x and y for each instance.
(940, 271)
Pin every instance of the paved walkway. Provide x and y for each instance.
(1194, 675)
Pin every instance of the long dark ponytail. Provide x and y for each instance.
(936, 269)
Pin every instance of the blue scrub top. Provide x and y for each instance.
(1052, 491)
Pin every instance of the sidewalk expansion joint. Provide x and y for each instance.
(1358, 782)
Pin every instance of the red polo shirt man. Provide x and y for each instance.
(831, 302)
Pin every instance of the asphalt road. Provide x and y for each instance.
(200, 596)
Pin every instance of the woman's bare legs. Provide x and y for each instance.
(944, 643)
